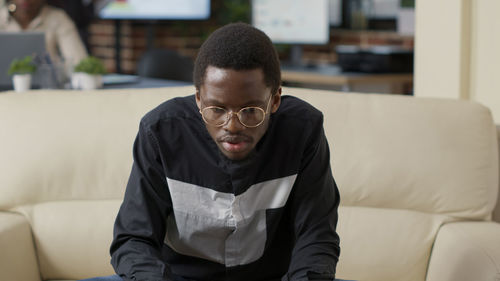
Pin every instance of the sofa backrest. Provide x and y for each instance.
(70, 145)
(428, 155)
(423, 154)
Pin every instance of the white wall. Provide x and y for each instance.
(485, 55)
(457, 51)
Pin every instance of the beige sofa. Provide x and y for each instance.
(418, 180)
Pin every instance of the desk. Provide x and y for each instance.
(121, 81)
(332, 75)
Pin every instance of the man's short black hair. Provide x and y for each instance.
(239, 46)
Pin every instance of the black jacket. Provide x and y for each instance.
(189, 213)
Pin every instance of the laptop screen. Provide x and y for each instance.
(18, 45)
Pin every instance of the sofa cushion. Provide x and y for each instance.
(72, 238)
(385, 244)
(466, 251)
(17, 253)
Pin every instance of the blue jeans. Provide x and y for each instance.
(118, 278)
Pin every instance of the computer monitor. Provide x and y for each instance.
(295, 22)
(156, 9)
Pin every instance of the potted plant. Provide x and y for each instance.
(87, 74)
(21, 71)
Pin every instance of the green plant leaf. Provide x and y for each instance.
(91, 65)
(22, 66)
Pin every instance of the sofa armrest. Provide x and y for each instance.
(18, 260)
(466, 251)
(496, 210)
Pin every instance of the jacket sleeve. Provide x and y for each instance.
(140, 225)
(313, 208)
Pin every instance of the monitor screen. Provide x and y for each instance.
(156, 9)
(293, 21)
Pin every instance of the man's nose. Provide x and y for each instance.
(233, 125)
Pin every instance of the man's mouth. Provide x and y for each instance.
(235, 144)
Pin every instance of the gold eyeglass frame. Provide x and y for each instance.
(229, 114)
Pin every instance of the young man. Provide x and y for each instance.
(233, 183)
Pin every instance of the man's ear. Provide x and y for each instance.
(198, 99)
(276, 101)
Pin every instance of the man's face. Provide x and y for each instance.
(233, 90)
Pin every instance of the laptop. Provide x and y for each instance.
(118, 79)
(18, 45)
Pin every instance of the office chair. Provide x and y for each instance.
(165, 64)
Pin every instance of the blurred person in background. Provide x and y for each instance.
(82, 12)
(62, 40)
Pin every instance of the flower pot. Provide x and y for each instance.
(85, 81)
(22, 82)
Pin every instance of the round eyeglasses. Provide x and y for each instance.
(250, 117)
